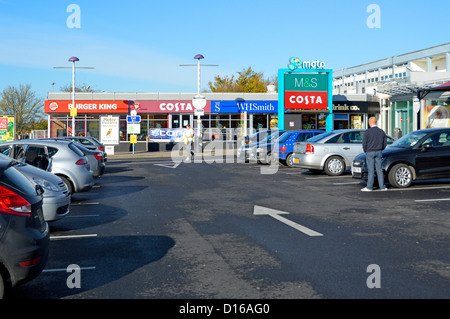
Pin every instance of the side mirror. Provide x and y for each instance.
(426, 147)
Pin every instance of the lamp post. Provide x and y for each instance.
(199, 102)
(74, 111)
(73, 60)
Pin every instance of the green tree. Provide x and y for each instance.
(248, 81)
(22, 103)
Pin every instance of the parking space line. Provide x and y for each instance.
(65, 269)
(432, 200)
(327, 177)
(418, 188)
(351, 183)
(72, 236)
(77, 216)
(88, 203)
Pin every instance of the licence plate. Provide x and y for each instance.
(356, 169)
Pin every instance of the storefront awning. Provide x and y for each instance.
(421, 93)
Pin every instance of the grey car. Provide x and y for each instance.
(95, 159)
(56, 197)
(62, 158)
(90, 143)
(332, 152)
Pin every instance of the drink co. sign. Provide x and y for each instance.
(305, 91)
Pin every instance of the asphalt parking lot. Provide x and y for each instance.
(158, 229)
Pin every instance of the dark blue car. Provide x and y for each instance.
(286, 144)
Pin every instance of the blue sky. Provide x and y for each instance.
(138, 46)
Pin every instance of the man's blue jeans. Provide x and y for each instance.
(373, 161)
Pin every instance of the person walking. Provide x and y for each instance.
(374, 141)
(190, 139)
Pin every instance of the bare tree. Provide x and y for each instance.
(24, 105)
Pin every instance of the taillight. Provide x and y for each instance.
(309, 148)
(283, 149)
(101, 148)
(81, 162)
(98, 156)
(13, 203)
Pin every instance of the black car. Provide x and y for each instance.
(24, 234)
(419, 155)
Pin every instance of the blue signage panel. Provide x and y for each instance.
(134, 119)
(244, 106)
(171, 134)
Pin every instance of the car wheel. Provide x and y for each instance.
(268, 159)
(290, 160)
(400, 176)
(334, 166)
(68, 184)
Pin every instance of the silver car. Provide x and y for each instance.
(62, 158)
(95, 159)
(90, 143)
(56, 197)
(332, 152)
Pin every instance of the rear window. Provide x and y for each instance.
(320, 137)
(75, 149)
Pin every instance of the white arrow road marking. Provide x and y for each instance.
(168, 166)
(259, 210)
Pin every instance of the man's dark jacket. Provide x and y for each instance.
(374, 139)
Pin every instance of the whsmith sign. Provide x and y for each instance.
(302, 87)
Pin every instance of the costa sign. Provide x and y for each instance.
(305, 100)
(170, 106)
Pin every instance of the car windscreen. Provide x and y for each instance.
(272, 137)
(283, 138)
(409, 140)
(320, 137)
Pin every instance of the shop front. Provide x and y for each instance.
(162, 121)
(353, 115)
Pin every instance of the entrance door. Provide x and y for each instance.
(181, 120)
(402, 121)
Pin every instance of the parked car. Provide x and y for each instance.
(419, 155)
(248, 151)
(286, 144)
(332, 152)
(90, 143)
(56, 197)
(24, 233)
(60, 157)
(258, 136)
(95, 159)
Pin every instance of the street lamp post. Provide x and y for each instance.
(73, 60)
(199, 102)
(73, 112)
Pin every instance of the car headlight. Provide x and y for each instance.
(46, 184)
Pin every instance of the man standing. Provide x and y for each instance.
(374, 141)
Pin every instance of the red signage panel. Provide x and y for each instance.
(305, 100)
(62, 106)
(170, 106)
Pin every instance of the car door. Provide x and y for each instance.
(350, 145)
(434, 158)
